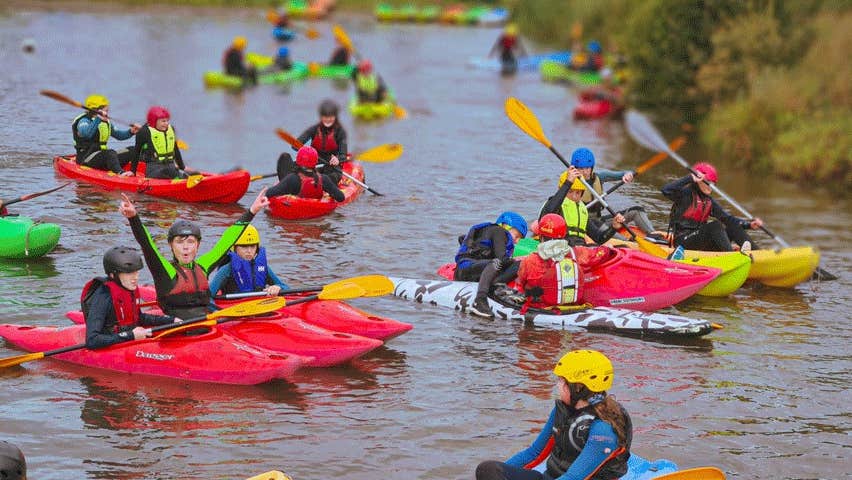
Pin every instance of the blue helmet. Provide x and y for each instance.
(583, 158)
(514, 220)
(594, 46)
(283, 51)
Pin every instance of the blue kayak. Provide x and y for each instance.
(637, 468)
(283, 34)
(528, 63)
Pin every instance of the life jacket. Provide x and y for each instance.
(576, 217)
(699, 208)
(570, 433)
(123, 302)
(324, 142)
(508, 42)
(559, 281)
(474, 247)
(163, 144)
(87, 146)
(595, 183)
(249, 275)
(311, 188)
(190, 295)
(367, 84)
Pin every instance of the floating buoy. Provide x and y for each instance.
(28, 45)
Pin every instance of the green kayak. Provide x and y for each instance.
(314, 69)
(557, 72)
(299, 70)
(20, 237)
(371, 111)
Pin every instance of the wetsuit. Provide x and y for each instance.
(255, 275)
(90, 141)
(635, 213)
(577, 218)
(691, 224)
(283, 63)
(167, 165)
(370, 88)
(340, 56)
(485, 255)
(294, 183)
(102, 325)
(183, 290)
(327, 141)
(234, 65)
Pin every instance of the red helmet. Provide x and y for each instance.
(552, 226)
(365, 66)
(307, 157)
(709, 171)
(157, 112)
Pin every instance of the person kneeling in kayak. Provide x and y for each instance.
(283, 62)
(233, 62)
(588, 433)
(691, 223)
(156, 147)
(568, 202)
(306, 181)
(328, 137)
(110, 304)
(92, 130)
(369, 85)
(181, 283)
(247, 270)
(485, 255)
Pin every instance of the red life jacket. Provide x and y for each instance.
(190, 293)
(123, 301)
(508, 42)
(559, 281)
(699, 209)
(310, 189)
(325, 144)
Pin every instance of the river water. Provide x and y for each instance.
(767, 397)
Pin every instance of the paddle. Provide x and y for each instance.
(385, 153)
(645, 134)
(373, 286)
(295, 143)
(270, 475)
(310, 32)
(246, 309)
(700, 473)
(29, 196)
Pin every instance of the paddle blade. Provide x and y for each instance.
(312, 33)
(314, 68)
(272, 16)
(181, 144)
(381, 154)
(641, 130)
(400, 113)
(651, 248)
(373, 285)
(284, 135)
(17, 360)
(194, 180)
(526, 120)
(259, 177)
(342, 37)
(344, 291)
(271, 475)
(659, 157)
(62, 98)
(250, 308)
(700, 473)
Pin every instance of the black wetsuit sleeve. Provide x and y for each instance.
(718, 212)
(100, 309)
(330, 188)
(498, 241)
(554, 203)
(342, 147)
(157, 264)
(148, 320)
(178, 156)
(676, 189)
(599, 231)
(307, 135)
(143, 136)
(290, 185)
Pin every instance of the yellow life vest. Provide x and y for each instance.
(368, 84)
(596, 184)
(163, 144)
(576, 217)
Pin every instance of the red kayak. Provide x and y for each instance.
(214, 187)
(292, 207)
(590, 109)
(624, 278)
(214, 357)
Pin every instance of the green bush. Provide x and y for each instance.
(817, 151)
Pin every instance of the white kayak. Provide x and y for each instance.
(460, 295)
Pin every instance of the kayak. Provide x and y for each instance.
(638, 468)
(528, 63)
(283, 34)
(214, 187)
(494, 18)
(214, 356)
(292, 207)
(21, 237)
(460, 295)
(302, 9)
(471, 15)
(557, 72)
(297, 72)
(591, 109)
(370, 110)
(429, 13)
(215, 78)
(621, 277)
(313, 69)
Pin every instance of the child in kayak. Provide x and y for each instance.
(181, 283)
(247, 270)
(568, 202)
(156, 147)
(13, 464)
(691, 224)
(328, 137)
(369, 85)
(485, 255)
(306, 181)
(340, 55)
(591, 432)
(110, 304)
(92, 130)
(234, 64)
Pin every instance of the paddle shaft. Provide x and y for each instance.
(355, 180)
(32, 195)
(231, 296)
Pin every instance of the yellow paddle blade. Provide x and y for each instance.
(183, 328)
(400, 113)
(284, 135)
(651, 248)
(525, 120)
(250, 308)
(381, 154)
(272, 16)
(342, 37)
(341, 291)
(272, 475)
(373, 285)
(312, 33)
(193, 180)
(313, 69)
(19, 359)
(181, 144)
(700, 473)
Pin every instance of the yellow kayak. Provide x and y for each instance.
(735, 268)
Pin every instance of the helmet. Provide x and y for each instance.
(514, 220)
(328, 108)
(511, 29)
(122, 260)
(240, 43)
(283, 52)
(552, 226)
(307, 157)
(184, 228)
(587, 367)
(96, 101)
(594, 46)
(249, 236)
(709, 171)
(157, 112)
(365, 66)
(577, 185)
(13, 465)
(583, 158)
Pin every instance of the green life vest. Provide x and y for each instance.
(368, 84)
(576, 217)
(163, 144)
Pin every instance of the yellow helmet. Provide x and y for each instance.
(240, 43)
(588, 367)
(96, 101)
(249, 237)
(578, 185)
(511, 29)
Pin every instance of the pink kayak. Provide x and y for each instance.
(590, 109)
(293, 207)
(214, 356)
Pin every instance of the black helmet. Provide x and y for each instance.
(328, 108)
(122, 260)
(184, 228)
(13, 465)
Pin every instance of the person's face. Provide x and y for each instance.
(185, 249)
(705, 188)
(516, 234)
(564, 392)
(575, 195)
(130, 280)
(162, 124)
(327, 120)
(246, 252)
(586, 172)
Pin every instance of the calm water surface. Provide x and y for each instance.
(765, 398)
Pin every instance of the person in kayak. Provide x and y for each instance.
(92, 130)
(591, 431)
(340, 55)
(110, 304)
(306, 181)
(584, 161)
(328, 137)
(606, 91)
(594, 60)
(283, 62)
(567, 202)
(13, 464)
(485, 256)
(247, 269)
(181, 283)
(369, 85)
(690, 223)
(156, 147)
(507, 44)
(234, 64)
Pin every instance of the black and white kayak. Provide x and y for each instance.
(460, 295)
